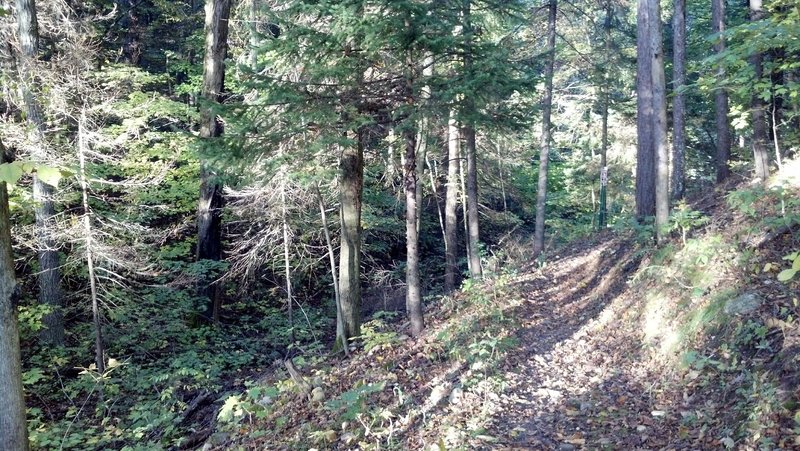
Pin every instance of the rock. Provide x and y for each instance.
(438, 393)
(217, 439)
(743, 304)
(329, 435)
(456, 395)
(348, 438)
(566, 447)
(317, 381)
(641, 428)
(317, 395)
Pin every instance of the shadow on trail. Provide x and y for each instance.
(572, 375)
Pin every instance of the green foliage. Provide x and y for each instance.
(788, 274)
(377, 336)
(352, 402)
(683, 219)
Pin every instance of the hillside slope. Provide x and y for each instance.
(613, 344)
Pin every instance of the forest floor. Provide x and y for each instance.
(600, 348)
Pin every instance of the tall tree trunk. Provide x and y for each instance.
(351, 184)
(450, 205)
(413, 290)
(721, 96)
(463, 191)
(544, 155)
(422, 137)
(13, 428)
(645, 155)
(49, 274)
(659, 121)
(758, 107)
(678, 100)
(209, 210)
(602, 217)
(472, 205)
(473, 226)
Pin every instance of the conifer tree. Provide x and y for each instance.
(209, 210)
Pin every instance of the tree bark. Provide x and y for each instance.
(209, 210)
(472, 205)
(451, 203)
(602, 217)
(678, 100)
(422, 137)
(413, 292)
(721, 96)
(473, 226)
(13, 428)
(759, 108)
(645, 155)
(544, 155)
(49, 273)
(659, 121)
(351, 185)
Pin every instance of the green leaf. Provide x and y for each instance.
(10, 172)
(227, 411)
(796, 264)
(49, 175)
(786, 275)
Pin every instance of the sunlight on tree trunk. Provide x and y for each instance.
(450, 206)
(351, 185)
(209, 211)
(413, 289)
(659, 122)
(341, 337)
(545, 142)
(645, 155)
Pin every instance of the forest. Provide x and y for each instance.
(399, 224)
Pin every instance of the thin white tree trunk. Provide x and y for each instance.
(286, 260)
(340, 333)
(89, 243)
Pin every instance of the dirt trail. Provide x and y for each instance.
(575, 380)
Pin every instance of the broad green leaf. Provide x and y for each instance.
(227, 411)
(796, 264)
(10, 172)
(786, 275)
(49, 175)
